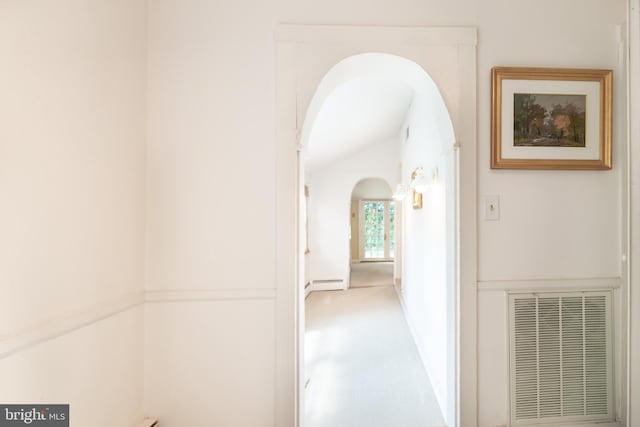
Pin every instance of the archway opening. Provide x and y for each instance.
(382, 115)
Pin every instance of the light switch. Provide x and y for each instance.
(491, 208)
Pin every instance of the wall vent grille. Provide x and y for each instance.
(560, 357)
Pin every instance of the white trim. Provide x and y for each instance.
(361, 226)
(66, 323)
(175, 295)
(632, 181)
(465, 125)
(626, 323)
(551, 284)
(307, 289)
(63, 324)
(288, 336)
(388, 35)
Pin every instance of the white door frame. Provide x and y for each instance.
(295, 84)
(632, 243)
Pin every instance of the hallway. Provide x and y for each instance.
(363, 368)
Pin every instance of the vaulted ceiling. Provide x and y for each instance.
(356, 114)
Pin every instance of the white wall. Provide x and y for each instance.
(428, 282)
(211, 214)
(72, 206)
(72, 182)
(211, 97)
(96, 369)
(553, 224)
(330, 202)
(205, 364)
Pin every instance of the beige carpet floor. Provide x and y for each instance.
(366, 274)
(362, 365)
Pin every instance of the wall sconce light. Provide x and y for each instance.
(400, 192)
(419, 185)
(419, 181)
(416, 196)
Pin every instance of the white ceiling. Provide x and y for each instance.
(356, 114)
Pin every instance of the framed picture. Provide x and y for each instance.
(550, 118)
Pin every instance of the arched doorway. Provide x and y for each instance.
(411, 131)
(451, 54)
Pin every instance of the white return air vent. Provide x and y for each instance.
(560, 357)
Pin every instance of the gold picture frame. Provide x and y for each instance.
(551, 118)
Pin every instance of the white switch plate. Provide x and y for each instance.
(491, 208)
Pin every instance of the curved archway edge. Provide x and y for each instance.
(379, 66)
(304, 54)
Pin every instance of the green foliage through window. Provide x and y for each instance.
(374, 229)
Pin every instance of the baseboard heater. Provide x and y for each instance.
(148, 422)
(328, 285)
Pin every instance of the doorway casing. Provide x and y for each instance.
(304, 54)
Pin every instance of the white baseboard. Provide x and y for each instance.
(540, 285)
(328, 285)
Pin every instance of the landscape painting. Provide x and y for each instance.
(543, 124)
(547, 120)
